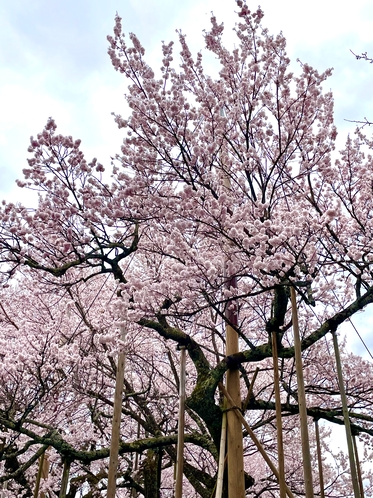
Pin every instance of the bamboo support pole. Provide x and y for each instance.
(136, 463)
(235, 409)
(115, 429)
(358, 468)
(38, 477)
(65, 479)
(43, 469)
(307, 466)
(319, 459)
(250, 390)
(236, 476)
(43, 472)
(280, 443)
(180, 431)
(221, 465)
(346, 418)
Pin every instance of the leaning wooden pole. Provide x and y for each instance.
(280, 444)
(115, 428)
(346, 418)
(307, 466)
(38, 477)
(221, 463)
(358, 468)
(319, 459)
(236, 410)
(65, 479)
(180, 431)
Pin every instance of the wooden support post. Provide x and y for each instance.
(43, 472)
(307, 466)
(180, 431)
(38, 477)
(136, 463)
(115, 428)
(238, 414)
(319, 459)
(346, 418)
(236, 476)
(221, 464)
(361, 486)
(280, 444)
(65, 479)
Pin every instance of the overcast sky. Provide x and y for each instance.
(54, 61)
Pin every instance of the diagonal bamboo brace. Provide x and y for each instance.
(254, 438)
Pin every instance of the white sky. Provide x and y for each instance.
(54, 62)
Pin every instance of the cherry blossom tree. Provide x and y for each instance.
(227, 194)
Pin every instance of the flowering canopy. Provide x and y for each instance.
(218, 179)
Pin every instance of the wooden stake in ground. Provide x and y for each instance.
(180, 431)
(115, 429)
(319, 459)
(307, 467)
(346, 418)
(280, 445)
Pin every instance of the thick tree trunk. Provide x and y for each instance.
(152, 475)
